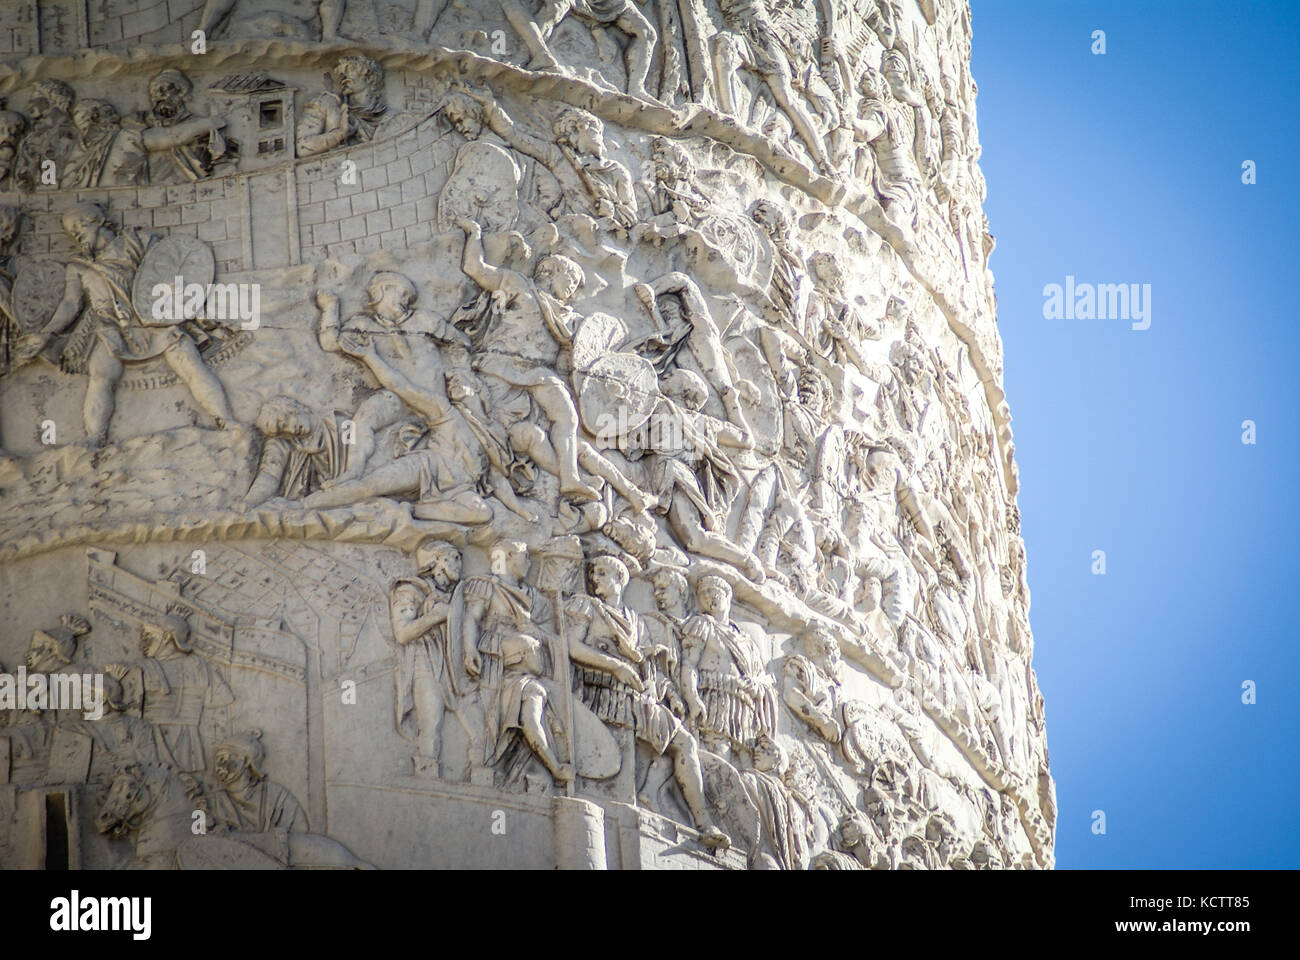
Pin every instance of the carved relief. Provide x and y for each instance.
(650, 456)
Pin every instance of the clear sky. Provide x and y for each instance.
(1127, 168)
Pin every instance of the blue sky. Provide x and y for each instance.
(1126, 168)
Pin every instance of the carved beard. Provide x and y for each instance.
(168, 108)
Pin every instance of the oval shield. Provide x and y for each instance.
(187, 258)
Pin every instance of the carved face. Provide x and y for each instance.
(125, 806)
(510, 560)
(155, 642)
(767, 756)
(465, 118)
(168, 99)
(230, 766)
(44, 655)
(607, 581)
(668, 593)
(90, 235)
(563, 284)
(714, 597)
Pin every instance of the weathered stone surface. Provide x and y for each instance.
(581, 421)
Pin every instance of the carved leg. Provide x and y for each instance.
(105, 372)
(215, 14)
(402, 476)
(803, 124)
(331, 15)
(376, 412)
(686, 770)
(209, 394)
(554, 399)
(639, 51)
(685, 522)
(539, 740)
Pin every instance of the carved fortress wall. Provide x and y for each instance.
(363, 557)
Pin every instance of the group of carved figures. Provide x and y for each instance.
(66, 142)
(165, 770)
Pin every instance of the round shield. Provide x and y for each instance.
(483, 187)
(616, 395)
(597, 336)
(38, 288)
(184, 262)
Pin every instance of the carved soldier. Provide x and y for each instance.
(301, 451)
(577, 159)
(109, 334)
(12, 125)
(528, 323)
(404, 343)
(247, 801)
(420, 608)
(758, 42)
(176, 690)
(724, 681)
(690, 473)
(811, 680)
(836, 324)
(687, 318)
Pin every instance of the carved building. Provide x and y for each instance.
(580, 422)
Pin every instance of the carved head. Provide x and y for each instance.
(284, 417)
(12, 125)
(464, 113)
(238, 760)
(360, 81)
(52, 650)
(88, 227)
(773, 219)
(608, 577)
(871, 85)
(670, 588)
(439, 559)
(170, 635)
(770, 756)
(821, 647)
(713, 595)
(128, 801)
(669, 306)
(559, 276)
(50, 97)
(580, 131)
(510, 558)
(167, 93)
(391, 296)
(93, 117)
(671, 161)
(893, 64)
(686, 388)
(826, 270)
